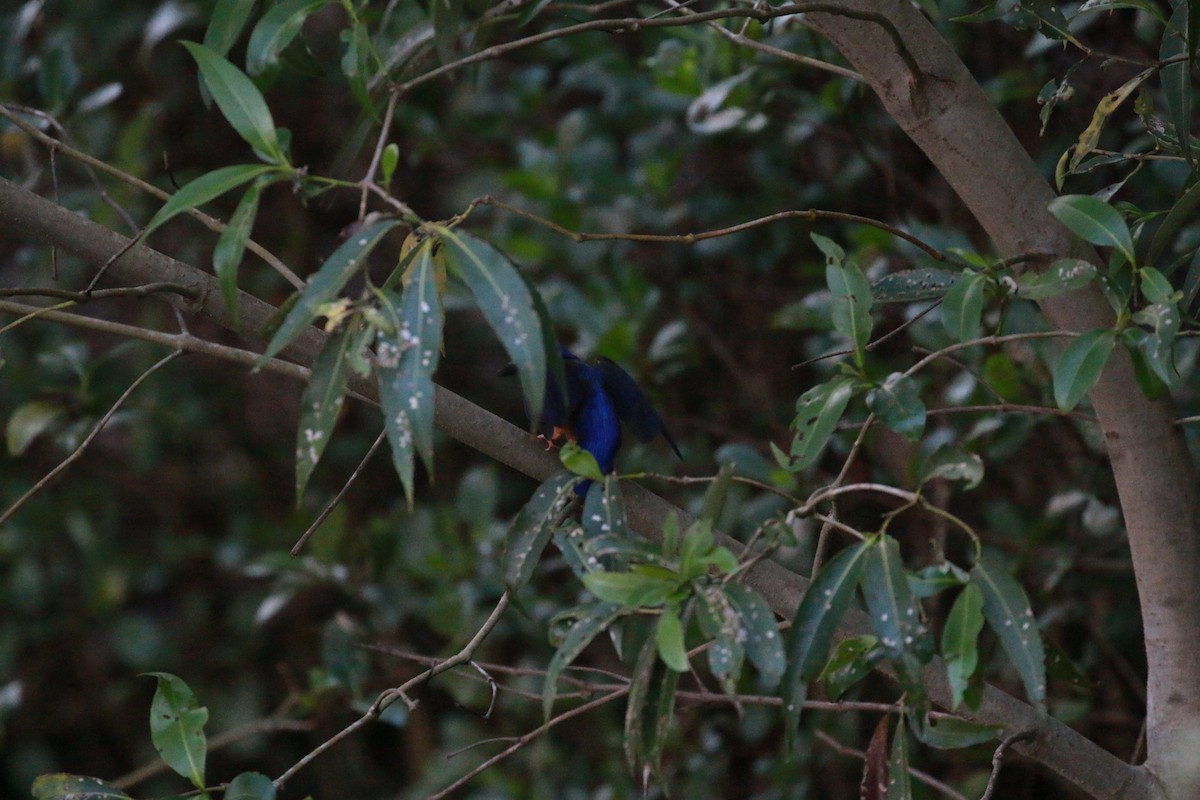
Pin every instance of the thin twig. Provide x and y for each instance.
(337, 500)
(78, 451)
(998, 760)
(390, 696)
(923, 777)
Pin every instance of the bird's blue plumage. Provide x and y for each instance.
(597, 399)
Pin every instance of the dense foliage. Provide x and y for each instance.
(434, 204)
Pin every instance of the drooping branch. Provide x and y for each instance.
(32, 217)
(948, 115)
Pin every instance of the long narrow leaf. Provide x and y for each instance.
(1080, 365)
(1007, 611)
(326, 283)
(275, 31)
(960, 641)
(405, 368)
(200, 190)
(240, 101)
(321, 403)
(231, 246)
(580, 635)
(507, 304)
(894, 613)
(532, 527)
(822, 608)
(1094, 221)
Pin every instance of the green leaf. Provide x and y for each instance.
(356, 66)
(759, 633)
(586, 628)
(1094, 221)
(231, 245)
(579, 461)
(936, 578)
(953, 463)
(852, 660)
(240, 101)
(1006, 609)
(28, 422)
(635, 704)
(912, 285)
(405, 366)
(811, 636)
(62, 786)
(507, 304)
(275, 31)
(962, 308)
(818, 412)
(669, 636)
(630, 589)
(1080, 365)
(324, 286)
(202, 189)
(717, 492)
(897, 403)
(1176, 75)
(894, 613)
(851, 311)
(226, 24)
(322, 402)
(1155, 286)
(950, 733)
(698, 542)
(1062, 276)
(1181, 214)
(603, 509)
(250, 786)
(531, 529)
(177, 727)
(960, 641)
(899, 782)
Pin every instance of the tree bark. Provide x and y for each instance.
(948, 115)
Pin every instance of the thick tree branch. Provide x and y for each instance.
(948, 115)
(1063, 750)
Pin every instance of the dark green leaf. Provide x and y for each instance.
(321, 403)
(1062, 276)
(664, 710)
(507, 304)
(912, 285)
(531, 529)
(936, 578)
(250, 786)
(324, 286)
(240, 101)
(1155, 287)
(948, 733)
(204, 188)
(1080, 365)
(960, 641)
(1006, 609)
(356, 66)
(893, 610)
(852, 660)
(635, 704)
(227, 255)
(760, 633)
(177, 727)
(962, 308)
(1094, 221)
(714, 496)
(603, 509)
(669, 636)
(697, 543)
(1182, 213)
(61, 786)
(226, 24)
(1176, 74)
(818, 412)
(811, 636)
(897, 403)
(899, 782)
(851, 309)
(275, 31)
(586, 628)
(405, 368)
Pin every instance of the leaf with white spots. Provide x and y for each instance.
(763, 642)
(405, 364)
(811, 636)
(60, 786)
(324, 286)
(1006, 609)
(507, 303)
(586, 628)
(899, 785)
(720, 621)
(321, 402)
(603, 511)
(532, 527)
(895, 617)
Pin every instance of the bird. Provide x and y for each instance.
(598, 398)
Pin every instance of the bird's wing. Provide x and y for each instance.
(631, 404)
